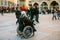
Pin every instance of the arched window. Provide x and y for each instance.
(44, 4)
(54, 5)
(35, 4)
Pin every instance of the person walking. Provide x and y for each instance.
(2, 11)
(58, 13)
(54, 14)
(34, 12)
(17, 13)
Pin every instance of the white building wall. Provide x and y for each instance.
(3, 2)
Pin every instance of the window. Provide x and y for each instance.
(1, 2)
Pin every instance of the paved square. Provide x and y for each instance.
(47, 29)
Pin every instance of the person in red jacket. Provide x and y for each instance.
(58, 13)
(23, 8)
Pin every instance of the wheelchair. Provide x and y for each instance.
(26, 33)
(27, 27)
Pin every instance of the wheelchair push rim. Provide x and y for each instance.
(28, 32)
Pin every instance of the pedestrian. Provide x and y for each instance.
(28, 12)
(58, 13)
(23, 8)
(49, 11)
(32, 12)
(17, 13)
(35, 12)
(2, 11)
(54, 14)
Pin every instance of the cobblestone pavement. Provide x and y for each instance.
(47, 29)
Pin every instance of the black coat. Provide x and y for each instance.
(26, 22)
(34, 11)
(17, 13)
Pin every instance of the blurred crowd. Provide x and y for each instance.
(6, 9)
(32, 11)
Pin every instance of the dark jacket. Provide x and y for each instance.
(36, 11)
(32, 11)
(53, 11)
(17, 13)
(26, 22)
(28, 11)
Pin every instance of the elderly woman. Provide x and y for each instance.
(24, 21)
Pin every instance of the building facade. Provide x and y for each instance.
(6, 3)
(3, 3)
(47, 3)
(41, 3)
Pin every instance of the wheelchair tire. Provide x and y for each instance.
(28, 32)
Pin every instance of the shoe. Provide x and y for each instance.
(16, 22)
(34, 24)
(34, 30)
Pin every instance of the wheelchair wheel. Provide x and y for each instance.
(28, 32)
